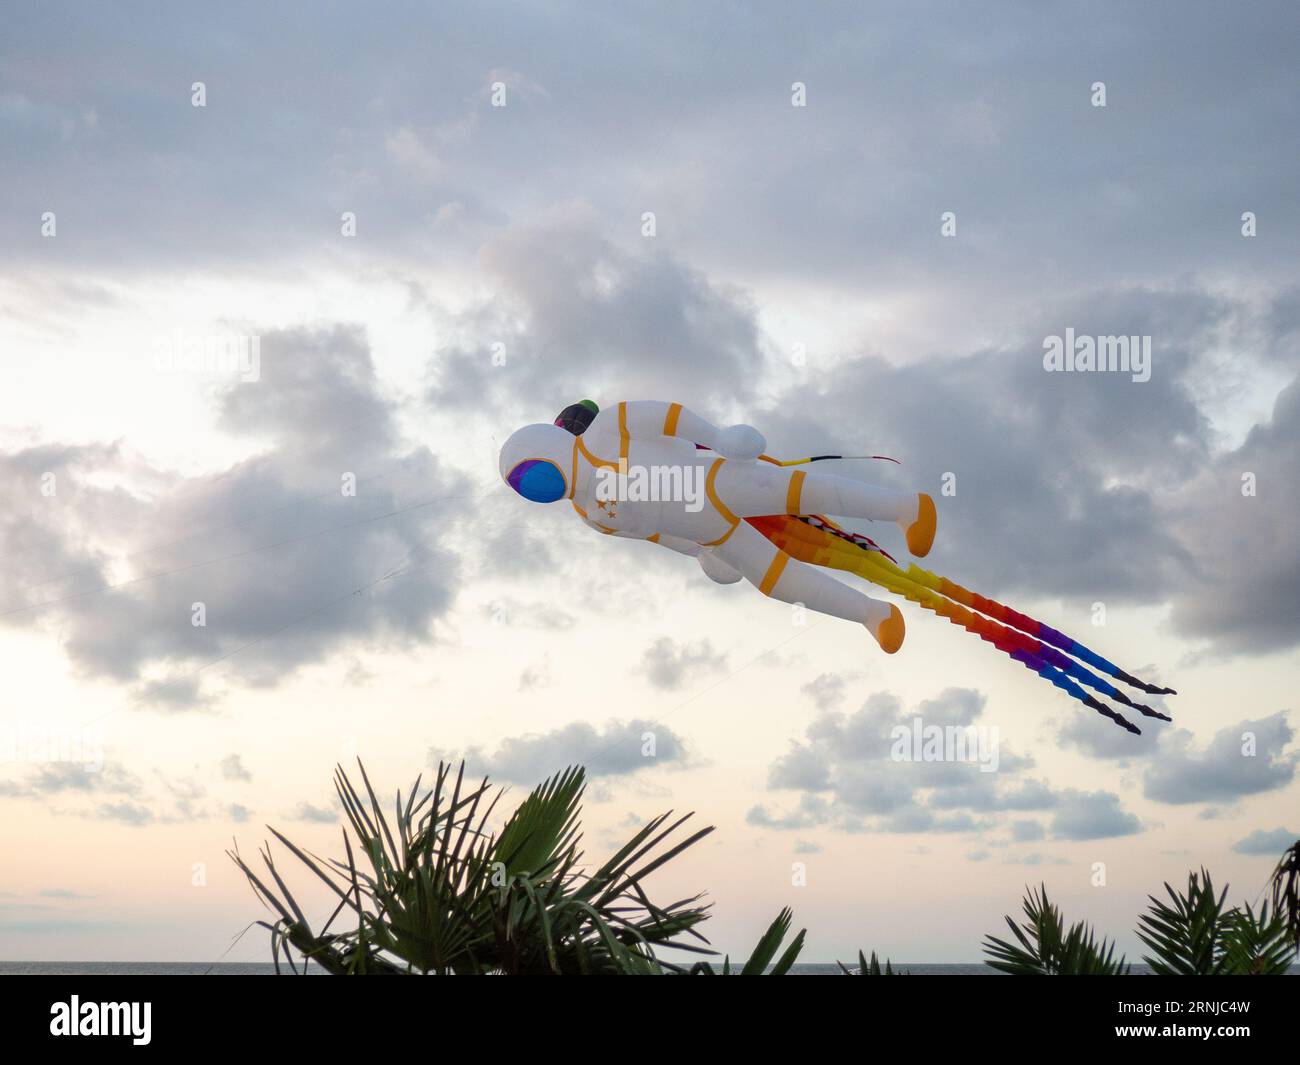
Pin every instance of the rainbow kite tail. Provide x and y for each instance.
(1048, 663)
(1073, 669)
(821, 542)
(1030, 626)
(1068, 686)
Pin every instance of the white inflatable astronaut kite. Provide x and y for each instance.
(660, 472)
(636, 471)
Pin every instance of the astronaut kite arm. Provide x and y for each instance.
(648, 417)
(676, 543)
(714, 568)
(673, 543)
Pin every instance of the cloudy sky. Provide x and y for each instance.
(850, 225)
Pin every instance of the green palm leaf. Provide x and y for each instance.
(1043, 945)
(1183, 934)
(423, 886)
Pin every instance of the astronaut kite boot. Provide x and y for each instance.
(918, 527)
(888, 630)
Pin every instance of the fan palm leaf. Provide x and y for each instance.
(424, 886)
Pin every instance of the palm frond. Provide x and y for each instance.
(870, 968)
(427, 888)
(1256, 945)
(1285, 883)
(1184, 933)
(1045, 947)
(760, 961)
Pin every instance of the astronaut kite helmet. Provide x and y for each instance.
(533, 462)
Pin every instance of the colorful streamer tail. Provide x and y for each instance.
(820, 542)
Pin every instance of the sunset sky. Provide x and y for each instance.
(648, 214)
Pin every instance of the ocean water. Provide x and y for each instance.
(180, 968)
(257, 968)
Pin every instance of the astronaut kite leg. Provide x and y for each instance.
(751, 490)
(774, 573)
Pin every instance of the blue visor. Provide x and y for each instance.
(538, 480)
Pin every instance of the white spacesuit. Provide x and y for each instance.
(635, 470)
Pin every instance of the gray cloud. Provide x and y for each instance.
(69, 778)
(114, 793)
(535, 676)
(578, 315)
(1247, 758)
(306, 811)
(918, 819)
(953, 706)
(272, 547)
(232, 768)
(535, 615)
(1247, 577)
(692, 119)
(846, 777)
(1271, 843)
(1092, 815)
(128, 813)
(321, 395)
(1033, 858)
(810, 812)
(179, 692)
(1160, 518)
(668, 665)
(614, 750)
(1026, 831)
(826, 690)
(1080, 731)
(981, 792)
(802, 769)
(1023, 445)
